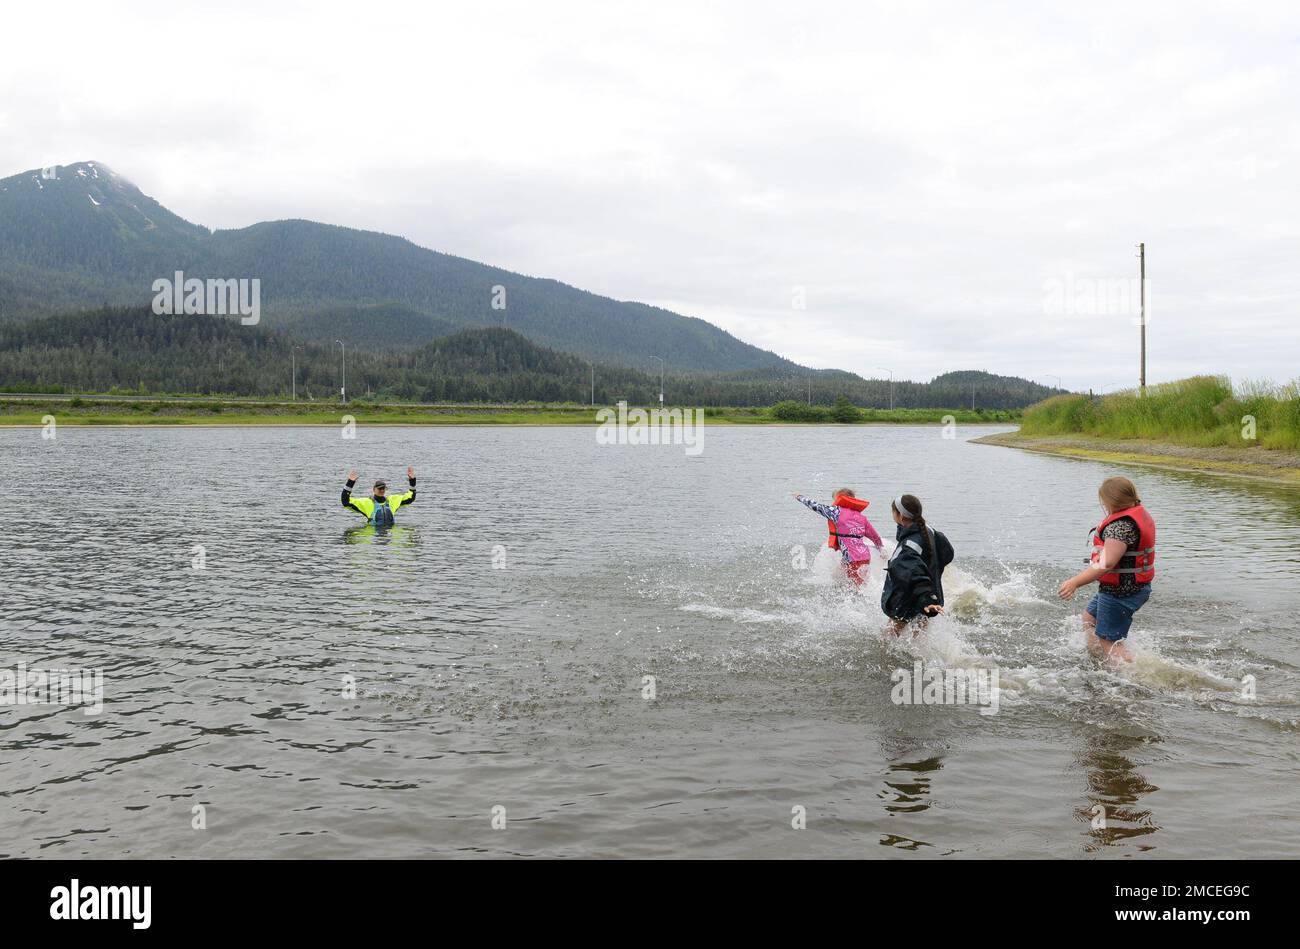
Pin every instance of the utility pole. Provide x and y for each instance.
(810, 387)
(593, 385)
(1142, 270)
(344, 390)
(293, 362)
(661, 379)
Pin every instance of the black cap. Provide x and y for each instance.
(381, 484)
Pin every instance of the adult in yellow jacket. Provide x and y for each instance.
(380, 507)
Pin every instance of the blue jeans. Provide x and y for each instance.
(1114, 614)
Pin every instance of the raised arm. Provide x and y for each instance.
(829, 511)
(346, 497)
(409, 496)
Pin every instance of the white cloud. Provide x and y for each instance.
(924, 170)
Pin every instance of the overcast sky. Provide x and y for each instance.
(944, 186)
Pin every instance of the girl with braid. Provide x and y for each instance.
(913, 579)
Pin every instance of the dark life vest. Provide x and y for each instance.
(382, 515)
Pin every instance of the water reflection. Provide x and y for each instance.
(906, 790)
(1115, 811)
(395, 536)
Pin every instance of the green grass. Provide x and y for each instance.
(1204, 411)
(88, 410)
(845, 412)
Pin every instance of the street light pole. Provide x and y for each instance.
(1142, 272)
(344, 390)
(661, 379)
(891, 386)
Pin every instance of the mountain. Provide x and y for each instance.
(138, 350)
(82, 236)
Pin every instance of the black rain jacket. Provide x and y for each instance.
(912, 580)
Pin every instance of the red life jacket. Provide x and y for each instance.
(1142, 562)
(853, 504)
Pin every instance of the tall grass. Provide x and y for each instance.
(1203, 410)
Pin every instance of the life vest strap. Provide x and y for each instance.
(1131, 555)
(1136, 562)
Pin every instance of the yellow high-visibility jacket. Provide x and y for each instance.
(367, 506)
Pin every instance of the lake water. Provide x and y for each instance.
(499, 638)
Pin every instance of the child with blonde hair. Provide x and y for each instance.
(1121, 558)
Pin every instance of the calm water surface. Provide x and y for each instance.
(499, 636)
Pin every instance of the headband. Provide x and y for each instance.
(903, 509)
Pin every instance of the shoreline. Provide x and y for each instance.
(131, 412)
(1255, 464)
(480, 423)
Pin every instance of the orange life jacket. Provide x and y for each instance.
(853, 504)
(1142, 562)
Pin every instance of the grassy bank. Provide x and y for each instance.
(1204, 411)
(90, 410)
(1198, 425)
(1277, 467)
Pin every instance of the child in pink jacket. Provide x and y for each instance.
(849, 529)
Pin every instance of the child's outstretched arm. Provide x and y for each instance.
(829, 511)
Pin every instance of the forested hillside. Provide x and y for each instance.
(134, 349)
